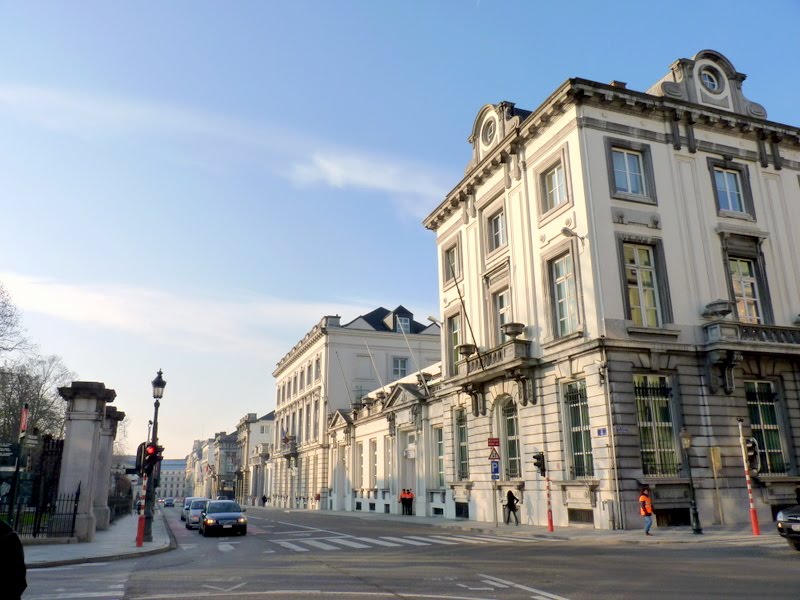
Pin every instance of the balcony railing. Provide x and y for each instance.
(289, 447)
(499, 356)
(731, 331)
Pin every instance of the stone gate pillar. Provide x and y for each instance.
(86, 411)
(105, 451)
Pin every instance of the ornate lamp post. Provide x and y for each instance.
(158, 392)
(686, 443)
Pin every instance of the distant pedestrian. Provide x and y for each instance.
(410, 497)
(511, 507)
(12, 563)
(264, 500)
(646, 510)
(404, 501)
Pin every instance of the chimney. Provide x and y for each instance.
(618, 84)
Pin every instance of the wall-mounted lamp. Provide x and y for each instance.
(435, 321)
(567, 232)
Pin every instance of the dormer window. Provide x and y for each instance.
(403, 325)
(487, 135)
(710, 80)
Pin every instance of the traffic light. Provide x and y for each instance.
(150, 457)
(753, 456)
(140, 458)
(538, 462)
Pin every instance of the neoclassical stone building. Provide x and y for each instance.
(331, 368)
(618, 267)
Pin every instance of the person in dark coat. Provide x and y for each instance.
(511, 507)
(12, 563)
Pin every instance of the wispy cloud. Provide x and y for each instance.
(101, 116)
(245, 324)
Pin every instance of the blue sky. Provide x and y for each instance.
(192, 185)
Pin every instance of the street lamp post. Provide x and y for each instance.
(686, 443)
(149, 499)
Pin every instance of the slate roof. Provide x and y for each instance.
(377, 317)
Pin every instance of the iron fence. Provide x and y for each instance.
(53, 519)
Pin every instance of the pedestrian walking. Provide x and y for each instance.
(264, 500)
(12, 563)
(511, 507)
(646, 510)
(410, 497)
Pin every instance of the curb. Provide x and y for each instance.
(173, 543)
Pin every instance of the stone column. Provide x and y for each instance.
(86, 410)
(105, 451)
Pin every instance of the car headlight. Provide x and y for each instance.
(210, 521)
(780, 516)
(242, 520)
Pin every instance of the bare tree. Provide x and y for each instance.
(11, 335)
(35, 381)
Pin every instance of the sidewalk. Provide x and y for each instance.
(119, 541)
(114, 543)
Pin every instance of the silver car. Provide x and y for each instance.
(196, 508)
(187, 502)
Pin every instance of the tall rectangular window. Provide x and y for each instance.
(565, 297)
(300, 426)
(642, 285)
(399, 367)
(729, 190)
(656, 428)
(462, 445)
(403, 325)
(358, 475)
(628, 171)
(387, 462)
(373, 463)
(453, 341)
(501, 305)
(316, 419)
(317, 368)
(555, 188)
(308, 374)
(762, 406)
(510, 432)
(497, 230)
(744, 281)
(452, 267)
(580, 431)
(438, 440)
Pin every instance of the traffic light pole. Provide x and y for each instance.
(753, 514)
(150, 493)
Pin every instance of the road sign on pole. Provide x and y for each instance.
(493, 455)
(495, 470)
(494, 442)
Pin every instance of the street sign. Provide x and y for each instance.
(495, 469)
(8, 449)
(494, 442)
(602, 431)
(493, 455)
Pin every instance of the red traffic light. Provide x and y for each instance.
(150, 450)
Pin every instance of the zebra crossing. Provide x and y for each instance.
(334, 543)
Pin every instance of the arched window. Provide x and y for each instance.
(509, 431)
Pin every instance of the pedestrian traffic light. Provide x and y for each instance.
(150, 457)
(753, 456)
(538, 462)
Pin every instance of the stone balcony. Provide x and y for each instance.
(489, 364)
(756, 336)
(288, 447)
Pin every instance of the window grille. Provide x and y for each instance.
(656, 427)
(762, 405)
(580, 431)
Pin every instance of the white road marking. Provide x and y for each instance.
(477, 589)
(188, 546)
(76, 595)
(320, 545)
(466, 540)
(405, 541)
(541, 595)
(346, 542)
(225, 547)
(379, 542)
(431, 539)
(291, 546)
(230, 589)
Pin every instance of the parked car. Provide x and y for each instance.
(789, 525)
(195, 511)
(187, 502)
(223, 516)
(169, 502)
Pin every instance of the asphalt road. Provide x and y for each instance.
(314, 555)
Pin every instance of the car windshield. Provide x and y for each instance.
(198, 503)
(226, 506)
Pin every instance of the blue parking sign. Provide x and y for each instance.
(495, 469)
